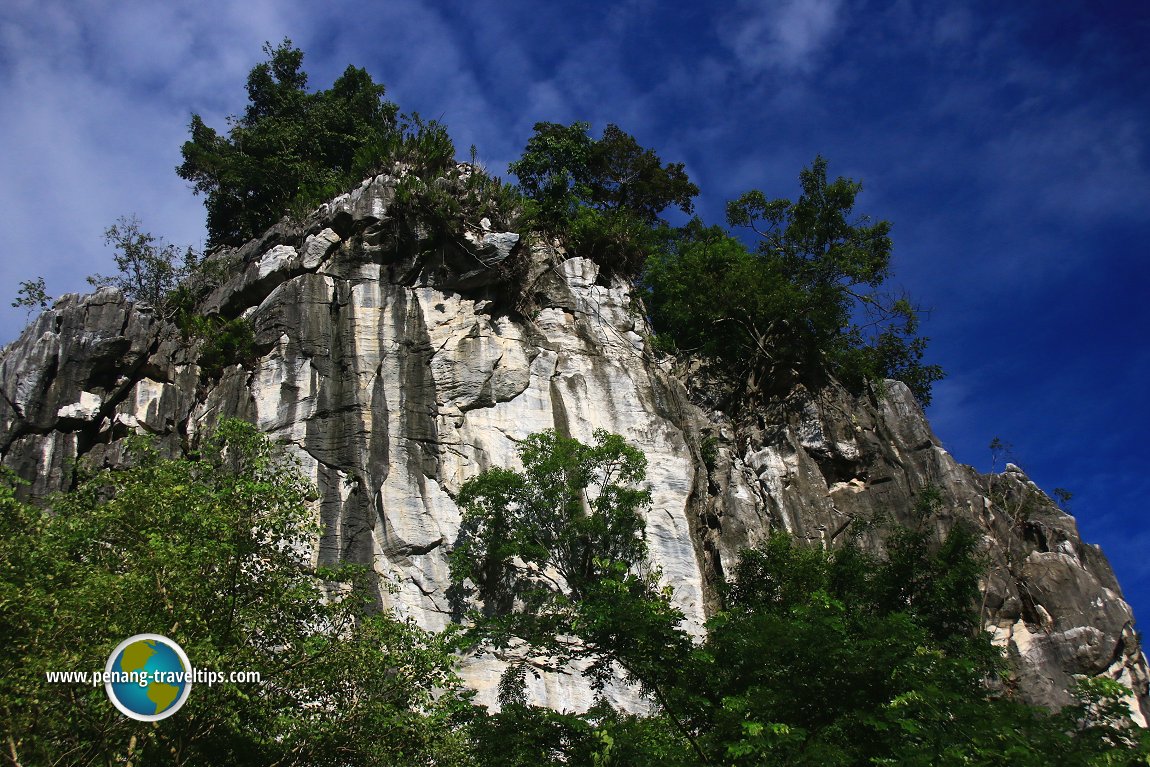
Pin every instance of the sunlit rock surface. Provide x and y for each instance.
(393, 366)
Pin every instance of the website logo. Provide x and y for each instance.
(148, 677)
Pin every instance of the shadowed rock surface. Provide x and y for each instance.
(391, 363)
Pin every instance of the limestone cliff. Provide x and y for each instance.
(391, 363)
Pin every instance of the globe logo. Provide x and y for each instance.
(148, 677)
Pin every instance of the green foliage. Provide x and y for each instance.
(547, 550)
(214, 552)
(563, 169)
(553, 170)
(149, 269)
(1099, 703)
(32, 295)
(223, 343)
(573, 510)
(603, 195)
(292, 147)
(1000, 451)
(713, 297)
(433, 208)
(814, 658)
(199, 281)
(806, 302)
(557, 558)
(525, 736)
(839, 658)
(709, 450)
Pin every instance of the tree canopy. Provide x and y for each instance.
(289, 145)
(809, 300)
(149, 269)
(544, 551)
(814, 657)
(563, 168)
(214, 552)
(604, 195)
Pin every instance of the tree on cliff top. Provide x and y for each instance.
(149, 268)
(603, 195)
(289, 145)
(810, 300)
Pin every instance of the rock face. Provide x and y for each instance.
(390, 363)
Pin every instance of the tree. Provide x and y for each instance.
(1000, 451)
(556, 558)
(807, 302)
(604, 195)
(289, 146)
(215, 552)
(835, 264)
(32, 295)
(712, 297)
(149, 268)
(537, 549)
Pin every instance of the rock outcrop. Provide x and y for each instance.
(391, 364)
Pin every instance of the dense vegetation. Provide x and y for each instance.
(213, 551)
(292, 148)
(815, 657)
(809, 301)
(604, 196)
(287, 144)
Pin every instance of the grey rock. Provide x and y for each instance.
(317, 247)
(492, 247)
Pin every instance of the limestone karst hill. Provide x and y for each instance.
(393, 364)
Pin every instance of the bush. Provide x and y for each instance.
(223, 343)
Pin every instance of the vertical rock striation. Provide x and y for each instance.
(390, 363)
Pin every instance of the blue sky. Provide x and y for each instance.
(1007, 143)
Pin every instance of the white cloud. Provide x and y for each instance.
(1088, 164)
(786, 36)
(953, 27)
(96, 103)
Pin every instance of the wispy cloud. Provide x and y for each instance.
(1088, 163)
(786, 36)
(97, 98)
